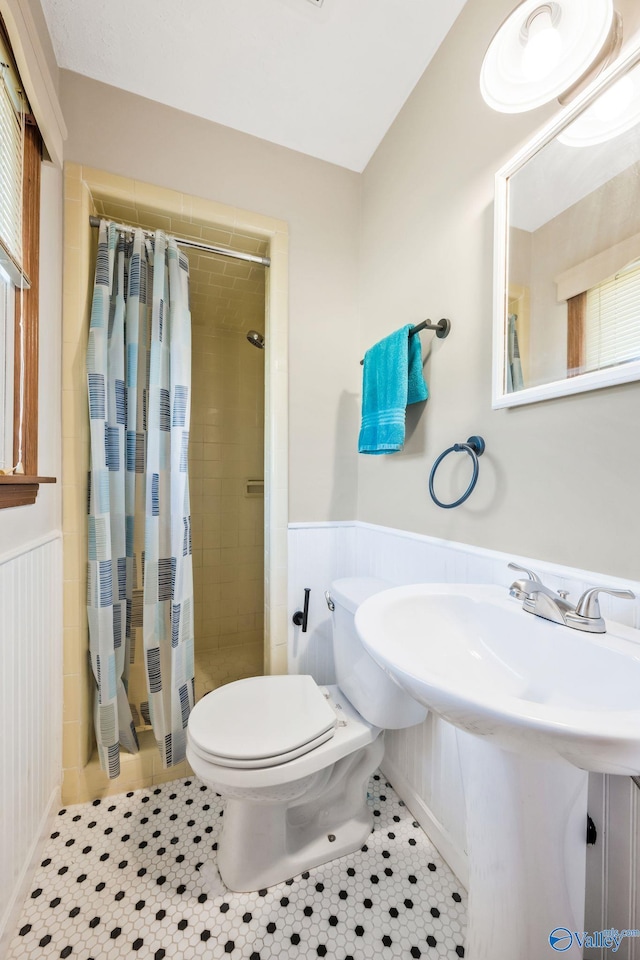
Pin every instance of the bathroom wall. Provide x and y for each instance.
(30, 605)
(558, 480)
(129, 135)
(30, 709)
(31, 586)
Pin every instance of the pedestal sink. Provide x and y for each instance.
(536, 705)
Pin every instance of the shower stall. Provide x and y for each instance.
(235, 605)
(226, 457)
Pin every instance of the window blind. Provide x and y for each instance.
(12, 120)
(612, 320)
(6, 370)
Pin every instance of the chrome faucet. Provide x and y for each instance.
(543, 602)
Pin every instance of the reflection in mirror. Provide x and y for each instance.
(569, 300)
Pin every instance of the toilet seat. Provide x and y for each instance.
(248, 723)
(351, 733)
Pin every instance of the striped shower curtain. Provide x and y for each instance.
(515, 380)
(140, 579)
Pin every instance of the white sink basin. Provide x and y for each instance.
(471, 654)
(536, 705)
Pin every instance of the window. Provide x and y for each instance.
(20, 160)
(7, 313)
(12, 122)
(604, 323)
(612, 320)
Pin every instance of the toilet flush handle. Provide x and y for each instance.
(300, 617)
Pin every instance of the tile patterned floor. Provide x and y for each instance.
(125, 877)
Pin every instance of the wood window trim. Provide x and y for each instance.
(19, 491)
(576, 347)
(22, 489)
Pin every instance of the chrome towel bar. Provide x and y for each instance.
(442, 328)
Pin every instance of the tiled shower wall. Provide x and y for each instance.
(226, 453)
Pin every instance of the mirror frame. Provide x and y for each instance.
(595, 379)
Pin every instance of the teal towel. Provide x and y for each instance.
(392, 379)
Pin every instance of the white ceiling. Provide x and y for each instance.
(326, 80)
(559, 176)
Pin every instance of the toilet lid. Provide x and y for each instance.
(255, 764)
(252, 721)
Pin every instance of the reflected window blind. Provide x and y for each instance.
(11, 153)
(612, 320)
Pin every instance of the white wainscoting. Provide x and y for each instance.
(613, 864)
(422, 762)
(30, 712)
(317, 554)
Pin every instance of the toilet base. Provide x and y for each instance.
(266, 843)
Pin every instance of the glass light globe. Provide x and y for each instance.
(613, 102)
(559, 42)
(616, 111)
(542, 53)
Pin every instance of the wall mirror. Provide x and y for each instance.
(567, 248)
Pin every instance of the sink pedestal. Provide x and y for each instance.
(526, 837)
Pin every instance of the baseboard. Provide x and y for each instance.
(440, 837)
(9, 922)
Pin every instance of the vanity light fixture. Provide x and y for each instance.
(545, 50)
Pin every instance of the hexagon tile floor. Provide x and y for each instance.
(122, 878)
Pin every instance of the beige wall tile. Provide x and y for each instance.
(175, 773)
(73, 188)
(74, 557)
(75, 645)
(75, 417)
(71, 792)
(74, 604)
(216, 236)
(229, 456)
(74, 507)
(107, 184)
(71, 703)
(75, 459)
(71, 756)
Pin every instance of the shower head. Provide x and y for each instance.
(256, 339)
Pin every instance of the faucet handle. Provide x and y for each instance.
(588, 606)
(520, 589)
(530, 574)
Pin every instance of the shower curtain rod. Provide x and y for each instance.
(195, 244)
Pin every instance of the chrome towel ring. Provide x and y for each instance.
(475, 448)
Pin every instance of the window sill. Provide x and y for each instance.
(20, 491)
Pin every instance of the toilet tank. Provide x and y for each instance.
(374, 694)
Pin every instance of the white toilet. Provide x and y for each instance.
(293, 759)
